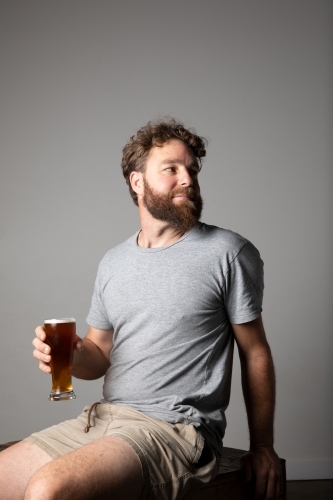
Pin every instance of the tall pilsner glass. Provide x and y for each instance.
(61, 335)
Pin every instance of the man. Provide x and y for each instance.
(167, 305)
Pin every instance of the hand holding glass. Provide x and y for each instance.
(60, 336)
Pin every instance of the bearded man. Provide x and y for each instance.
(166, 308)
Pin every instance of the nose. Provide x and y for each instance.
(185, 178)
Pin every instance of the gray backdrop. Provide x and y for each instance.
(78, 77)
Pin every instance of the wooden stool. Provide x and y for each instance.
(228, 484)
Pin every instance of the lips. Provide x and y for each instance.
(182, 196)
(187, 194)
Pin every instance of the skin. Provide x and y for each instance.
(30, 474)
(258, 382)
(172, 166)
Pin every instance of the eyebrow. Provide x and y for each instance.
(170, 161)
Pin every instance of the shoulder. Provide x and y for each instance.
(116, 254)
(213, 236)
(226, 245)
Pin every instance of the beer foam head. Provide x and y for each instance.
(59, 320)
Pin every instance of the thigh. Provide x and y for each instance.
(175, 457)
(17, 465)
(107, 468)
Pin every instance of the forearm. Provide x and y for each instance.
(258, 382)
(90, 363)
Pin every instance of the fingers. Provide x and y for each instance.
(260, 491)
(42, 350)
(266, 468)
(40, 333)
(268, 488)
(279, 483)
(274, 485)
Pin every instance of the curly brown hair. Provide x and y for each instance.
(157, 133)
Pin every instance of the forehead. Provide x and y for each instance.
(172, 151)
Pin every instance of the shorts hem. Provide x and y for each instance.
(143, 460)
(44, 446)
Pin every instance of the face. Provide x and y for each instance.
(171, 189)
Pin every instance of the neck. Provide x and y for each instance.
(158, 236)
(156, 233)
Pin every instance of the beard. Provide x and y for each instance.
(183, 216)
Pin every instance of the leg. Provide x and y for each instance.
(17, 465)
(107, 468)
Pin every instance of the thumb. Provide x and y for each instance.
(78, 345)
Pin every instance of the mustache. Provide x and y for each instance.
(188, 191)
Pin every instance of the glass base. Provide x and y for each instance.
(62, 396)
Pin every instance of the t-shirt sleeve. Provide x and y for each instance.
(97, 316)
(244, 286)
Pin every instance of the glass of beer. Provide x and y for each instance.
(61, 335)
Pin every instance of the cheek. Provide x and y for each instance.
(165, 185)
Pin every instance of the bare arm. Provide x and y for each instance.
(258, 382)
(91, 355)
(93, 360)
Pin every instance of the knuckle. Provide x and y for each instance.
(40, 332)
(43, 367)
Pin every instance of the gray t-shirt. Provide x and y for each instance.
(171, 310)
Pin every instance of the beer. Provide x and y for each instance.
(61, 335)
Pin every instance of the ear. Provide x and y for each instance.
(136, 180)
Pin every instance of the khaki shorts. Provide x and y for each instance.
(174, 457)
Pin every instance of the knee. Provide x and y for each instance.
(40, 488)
